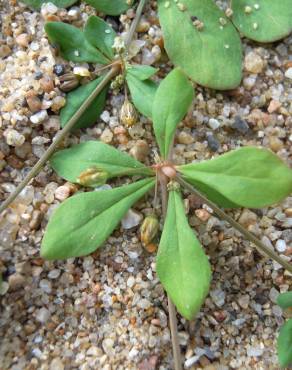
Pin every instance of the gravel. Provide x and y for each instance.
(108, 311)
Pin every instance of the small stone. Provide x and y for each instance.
(218, 297)
(253, 63)
(273, 295)
(275, 143)
(4, 51)
(54, 274)
(191, 361)
(213, 123)
(59, 69)
(243, 301)
(107, 345)
(131, 219)
(149, 363)
(240, 125)
(57, 103)
(16, 281)
(23, 40)
(43, 315)
(106, 136)
(247, 218)
(81, 71)
(202, 214)
(14, 138)
(39, 117)
(185, 138)
(131, 281)
(281, 245)
(144, 304)
(213, 143)
(47, 84)
(274, 106)
(57, 364)
(288, 73)
(36, 219)
(46, 286)
(140, 150)
(105, 116)
(33, 103)
(254, 351)
(62, 192)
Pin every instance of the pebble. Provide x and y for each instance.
(140, 150)
(275, 143)
(54, 274)
(247, 218)
(59, 69)
(4, 51)
(218, 297)
(185, 138)
(39, 117)
(47, 84)
(254, 351)
(34, 103)
(57, 364)
(281, 245)
(253, 63)
(43, 315)
(107, 345)
(288, 73)
(23, 40)
(213, 123)
(131, 281)
(14, 138)
(16, 281)
(213, 143)
(106, 136)
(244, 301)
(274, 106)
(46, 286)
(131, 219)
(62, 192)
(240, 125)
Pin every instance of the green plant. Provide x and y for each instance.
(284, 342)
(91, 217)
(195, 31)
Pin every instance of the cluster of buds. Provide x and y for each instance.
(93, 176)
(128, 114)
(118, 83)
(119, 46)
(149, 230)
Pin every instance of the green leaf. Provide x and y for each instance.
(76, 98)
(72, 43)
(211, 56)
(83, 223)
(172, 101)
(142, 94)
(70, 163)
(181, 265)
(284, 344)
(101, 35)
(284, 300)
(37, 4)
(249, 177)
(110, 7)
(142, 72)
(263, 21)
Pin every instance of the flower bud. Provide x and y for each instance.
(149, 229)
(128, 114)
(93, 176)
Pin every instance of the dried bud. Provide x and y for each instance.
(69, 81)
(92, 177)
(149, 229)
(128, 114)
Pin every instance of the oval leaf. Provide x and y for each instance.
(76, 98)
(37, 4)
(142, 94)
(284, 344)
(210, 56)
(249, 177)
(73, 44)
(284, 300)
(172, 101)
(83, 223)
(70, 163)
(110, 7)
(101, 35)
(142, 72)
(263, 21)
(182, 266)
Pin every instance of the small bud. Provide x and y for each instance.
(149, 229)
(93, 176)
(169, 171)
(128, 114)
(69, 81)
(119, 45)
(198, 24)
(229, 12)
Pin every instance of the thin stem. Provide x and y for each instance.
(135, 22)
(60, 136)
(249, 236)
(171, 308)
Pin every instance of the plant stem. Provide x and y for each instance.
(171, 308)
(249, 236)
(60, 136)
(135, 22)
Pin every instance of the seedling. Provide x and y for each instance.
(195, 31)
(247, 177)
(284, 342)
